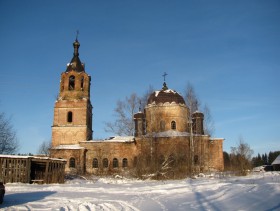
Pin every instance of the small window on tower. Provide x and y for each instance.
(70, 116)
(82, 83)
(71, 82)
(173, 125)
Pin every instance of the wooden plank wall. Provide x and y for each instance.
(15, 169)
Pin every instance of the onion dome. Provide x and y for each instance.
(165, 95)
(76, 63)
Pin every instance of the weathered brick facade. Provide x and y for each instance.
(166, 130)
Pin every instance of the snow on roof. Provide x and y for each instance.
(168, 133)
(214, 139)
(114, 139)
(166, 91)
(15, 156)
(72, 146)
(25, 157)
(276, 161)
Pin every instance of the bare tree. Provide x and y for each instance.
(44, 148)
(209, 126)
(8, 139)
(191, 98)
(194, 104)
(124, 111)
(241, 156)
(145, 97)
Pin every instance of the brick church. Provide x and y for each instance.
(166, 135)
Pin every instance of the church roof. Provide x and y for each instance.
(76, 63)
(165, 95)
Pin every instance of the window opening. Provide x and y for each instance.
(72, 163)
(195, 159)
(71, 82)
(173, 125)
(82, 83)
(95, 163)
(115, 163)
(124, 163)
(69, 116)
(105, 163)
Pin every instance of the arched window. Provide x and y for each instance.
(124, 163)
(105, 163)
(71, 82)
(115, 163)
(72, 163)
(82, 83)
(173, 125)
(195, 159)
(69, 116)
(95, 163)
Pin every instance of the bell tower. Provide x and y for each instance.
(73, 110)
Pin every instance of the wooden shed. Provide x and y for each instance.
(31, 169)
(276, 163)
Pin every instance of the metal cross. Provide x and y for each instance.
(77, 34)
(164, 75)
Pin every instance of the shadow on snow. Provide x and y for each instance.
(15, 199)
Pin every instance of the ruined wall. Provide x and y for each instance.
(67, 154)
(101, 150)
(216, 159)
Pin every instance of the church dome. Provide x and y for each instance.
(165, 95)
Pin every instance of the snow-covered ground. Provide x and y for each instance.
(259, 191)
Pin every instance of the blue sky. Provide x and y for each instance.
(228, 50)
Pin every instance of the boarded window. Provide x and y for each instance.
(115, 163)
(105, 163)
(69, 116)
(173, 125)
(71, 83)
(95, 163)
(124, 163)
(72, 163)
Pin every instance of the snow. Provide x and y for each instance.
(114, 139)
(174, 133)
(259, 191)
(166, 91)
(72, 146)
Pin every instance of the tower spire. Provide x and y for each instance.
(76, 63)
